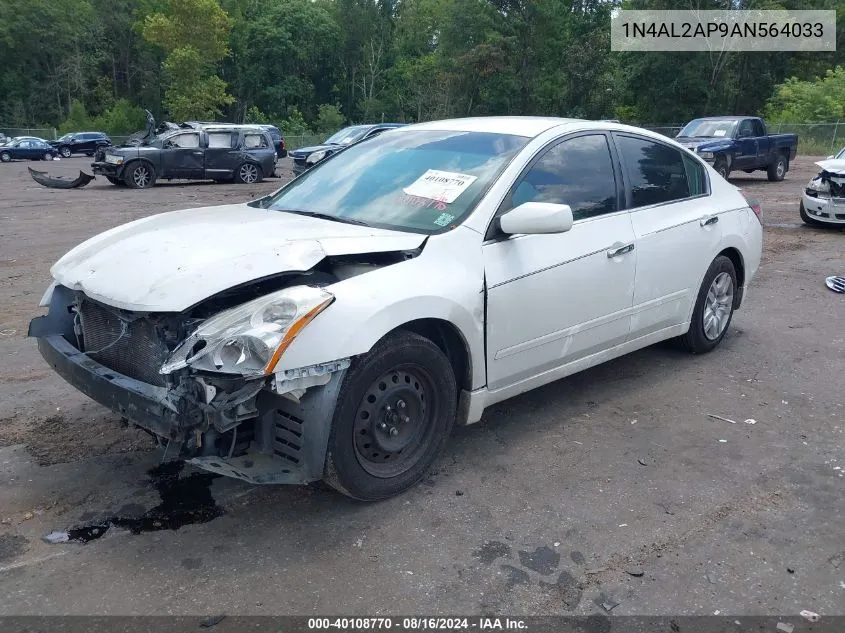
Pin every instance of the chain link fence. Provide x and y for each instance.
(47, 133)
(814, 139)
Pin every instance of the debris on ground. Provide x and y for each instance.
(642, 462)
(837, 559)
(635, 571)
(57, 537)
(790, 570)
(27, 516)
(785, 627)
(723, 441)
(837, 284)
(212, 621)
(719, 417)
(459, 493)
(609, 604)
(751, 421)
(59, 182)
(809, 615)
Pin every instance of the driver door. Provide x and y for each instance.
(746, 142)
(557, 298)
(182, 157)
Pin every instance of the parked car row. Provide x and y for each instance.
(26, 148)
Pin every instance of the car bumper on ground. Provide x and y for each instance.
(827, 210)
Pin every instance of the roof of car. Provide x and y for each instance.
(731, 117)
(529, 126)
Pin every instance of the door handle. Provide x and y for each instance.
(622, 250)
(197, 153)
(713, 219)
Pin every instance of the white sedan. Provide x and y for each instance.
(823, 200)
(338, 328)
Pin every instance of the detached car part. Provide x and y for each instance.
(59, 182)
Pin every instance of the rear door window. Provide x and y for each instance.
(220, 140)
(656, 172)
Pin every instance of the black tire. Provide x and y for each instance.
(116, 181)
(248, 173)
(806, 217)
(65, 151)
(722, 167)
(47, 156)
(777, 170)
(5, 157)
(395, 411)
(700, 340)
(134, 175)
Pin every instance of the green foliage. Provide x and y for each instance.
(294, 124)
(76, 120)
(329, 119)
(821, 99)
(254, 115)
(122, 118)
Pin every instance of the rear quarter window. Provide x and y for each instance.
(255, 141)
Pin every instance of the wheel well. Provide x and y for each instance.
(736, 258)
(449, 339)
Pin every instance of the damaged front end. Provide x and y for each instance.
(203, 381)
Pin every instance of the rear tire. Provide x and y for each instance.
(248, 173)
(395, 411)
(139, 175)
(777, 170)
(714, 308)
(65, 152)
(47, 156)
(5, 157)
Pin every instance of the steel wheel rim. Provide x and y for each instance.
(249, 173)
(65, 152)
(394, 421)
(141, 176)
(718, 306)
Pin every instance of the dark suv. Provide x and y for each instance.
(81, 143)
(306, 157)
(215, 151)
(278, 140)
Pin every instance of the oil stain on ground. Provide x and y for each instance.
(184, 501)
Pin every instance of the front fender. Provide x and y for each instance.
(445, 282)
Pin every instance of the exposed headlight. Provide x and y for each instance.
(705, 155)
(114, 160)
(316, 157)
(249, 339)
(818, 189)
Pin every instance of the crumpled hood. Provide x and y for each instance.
(833, 166)
(704, 144)
(171, 261)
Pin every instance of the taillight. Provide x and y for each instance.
(283, 144)
(756, 207)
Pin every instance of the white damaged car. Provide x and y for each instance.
(823, 200)
(338, 328)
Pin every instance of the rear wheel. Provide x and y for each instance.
(139, 175)
(396, 409)
(47, 156)
(65, 152)
(713, 308)
(5, 157)
(777, 170)
(248, 173)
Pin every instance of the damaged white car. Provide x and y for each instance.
(823, 201)
(338, 328)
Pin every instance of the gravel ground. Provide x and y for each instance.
(610, 486)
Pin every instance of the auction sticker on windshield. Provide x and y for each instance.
(443, 186)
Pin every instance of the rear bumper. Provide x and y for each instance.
(148, 406)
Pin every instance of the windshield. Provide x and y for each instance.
(347, 135)
(841, 154)
(420, 181)
(708, 128)
(66, 137)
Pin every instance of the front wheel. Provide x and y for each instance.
(395, 411)
(722, 167)
(139, 176)
(65, 152)
(248, 173)
(777, 170)
(713, 308)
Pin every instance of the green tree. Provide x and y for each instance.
(819, 100)
(194, 33)
(329, 119)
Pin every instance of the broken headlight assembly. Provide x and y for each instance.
(249, 339)
(818, 188)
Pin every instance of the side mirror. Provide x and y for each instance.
(537, 217)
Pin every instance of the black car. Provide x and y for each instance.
(278, 140)
(81, 143)
(216, 151)
(306, 157)
(27, 148)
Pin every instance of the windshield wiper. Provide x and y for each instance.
(326, 216)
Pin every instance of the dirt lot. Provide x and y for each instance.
(553, 504)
